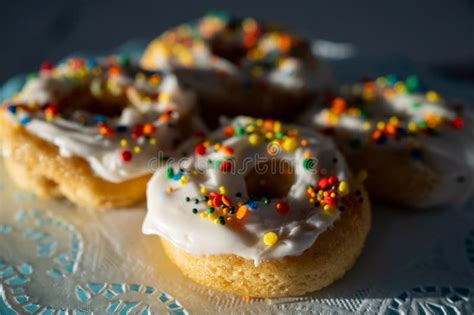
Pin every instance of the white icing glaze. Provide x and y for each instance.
(450, 153)
(170, 215)
(103, 153)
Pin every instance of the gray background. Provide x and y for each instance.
(434, 33)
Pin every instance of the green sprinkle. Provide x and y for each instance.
(412, 83)
(222, 220)
(240, 131)
(188, 199)
(266, 201)
(195, 210)
(169, 172)
(210, 210)
(416, 105)
(309, 164)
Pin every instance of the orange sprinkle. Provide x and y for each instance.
(247, 298)
(114, 71)
(284, 42)
(165, 117)
(226, 201)
(338, 105)
(229, 131)
(242, 212)
(148, 129)
(227, 150)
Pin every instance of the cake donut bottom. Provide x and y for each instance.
(392, 175)
(331, 256)
(36, 166)
(267, 102)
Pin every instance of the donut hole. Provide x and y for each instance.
(270, 179)
(83, 99)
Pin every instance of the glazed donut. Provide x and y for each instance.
(416, 146)
(259, 208)
(240, 66)
(88, 128)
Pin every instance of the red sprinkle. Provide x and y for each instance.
(46, 67)
(126, 155)
(323, 183)
(282, 208)
(333, 181)
(458, 122)
(200, 149)
(217, 200)
(226, 166)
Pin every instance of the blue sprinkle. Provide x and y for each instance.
(100, 118)
(251, 204)
(391, 79)
(12, 109)
(91, 63)
(178, 176)
(25, 119)
(121, 128)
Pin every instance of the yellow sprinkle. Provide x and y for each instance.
(380, 125)
(330, 210)
(222, 190)
(259, 122)
(394, 120)
(203, 190)
(367, 125)
(183, 180)
(250, 128)
(255, 139)
(123, 142)
(433, 96)
(277, 127)
(209, 202)
(311, 200)
(249, 24)
(203, 215)
(270, 238)
(343, 188)
(400, 87)
(152, 141)
(290, 144)
(412, 126)
(333, 195)
(137, 149)
(361, 176)
(164, 97)
(217, 221)
(212, 216)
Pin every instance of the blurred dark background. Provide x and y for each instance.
(436, 33)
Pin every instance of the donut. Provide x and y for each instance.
(241, 66)
(415, 145)
(89, 129)
(259, 208)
